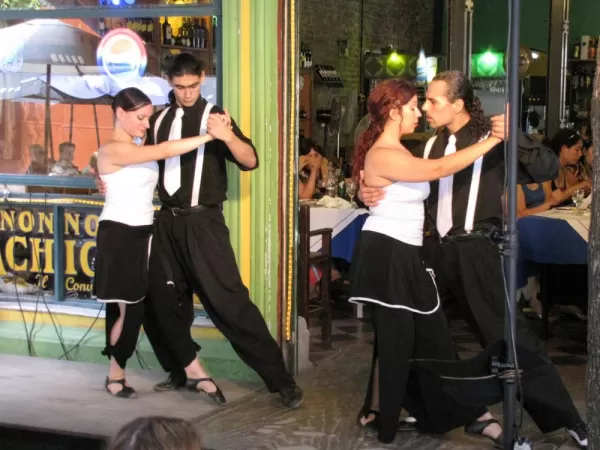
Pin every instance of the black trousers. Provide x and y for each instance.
(471, 272)
(127, 342)
(191, 254)
(400, 336)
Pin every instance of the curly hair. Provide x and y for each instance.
(387, 95)
(460, 87)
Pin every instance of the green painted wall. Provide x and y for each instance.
(216, 355)
(490, 24)
(265, 131)
(584, 19)
(264, 72)
(231, 101)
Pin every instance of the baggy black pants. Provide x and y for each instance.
(400, 336)
(471, 271)
(132, 323)
(191, 254)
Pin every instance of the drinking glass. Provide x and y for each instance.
(331, 185)
(578, 196)
(351, 190)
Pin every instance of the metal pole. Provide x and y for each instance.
(510, 388)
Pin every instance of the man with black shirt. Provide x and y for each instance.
(462, 211)
(191, 251)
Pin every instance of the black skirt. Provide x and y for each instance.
(122, 255)
(391, 273)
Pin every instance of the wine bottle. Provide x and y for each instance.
(167, 32)
(203, 34)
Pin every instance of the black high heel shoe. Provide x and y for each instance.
(217, 396)
(476, 429)
(126, 392)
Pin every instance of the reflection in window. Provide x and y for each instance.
(57, 84)
(109, 4)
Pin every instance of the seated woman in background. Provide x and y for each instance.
(313, 167)
(568, 145)
(536, 198)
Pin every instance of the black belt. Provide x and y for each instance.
(186, 211)
(491, 233)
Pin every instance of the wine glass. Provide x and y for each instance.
(578, 196)
(351, 190)
(322, 185)
(331, 184)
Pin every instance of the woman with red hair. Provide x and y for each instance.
(389, 275)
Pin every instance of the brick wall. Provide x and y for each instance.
(405, 24)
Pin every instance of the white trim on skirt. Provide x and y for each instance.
(116, 300)
(387, 305)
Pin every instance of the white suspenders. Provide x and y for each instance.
(199, 155)
(475, 181)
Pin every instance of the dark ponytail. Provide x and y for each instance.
(130, 99)
(479, 124)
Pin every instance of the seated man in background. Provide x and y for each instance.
(64, 167)
(38, 165)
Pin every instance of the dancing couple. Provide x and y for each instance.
(148, 268)
(455, 184)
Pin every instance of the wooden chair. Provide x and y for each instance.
(320, 305)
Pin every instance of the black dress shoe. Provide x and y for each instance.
(170, 384)
(292, 396)
(408, 424)
(579, 434)
(216, 396)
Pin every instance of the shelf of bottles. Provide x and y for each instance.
(492, 85)
(305, 56)
(580, 81)
(170, 36)
(329, 76)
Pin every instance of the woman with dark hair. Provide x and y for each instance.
(311, 162)
(130, 174)
(388, 273)
(568, 146)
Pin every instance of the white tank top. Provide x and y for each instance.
(401, 213)
(129, 194)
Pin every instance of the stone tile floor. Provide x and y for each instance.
(335, 389)
(334, 392)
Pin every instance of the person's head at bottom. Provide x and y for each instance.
(157, 433)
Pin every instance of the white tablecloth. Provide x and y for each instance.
(337, 219)
(580, 223)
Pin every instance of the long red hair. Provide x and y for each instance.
(388, 94)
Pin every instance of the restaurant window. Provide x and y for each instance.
(58, 77)
(108, 4)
